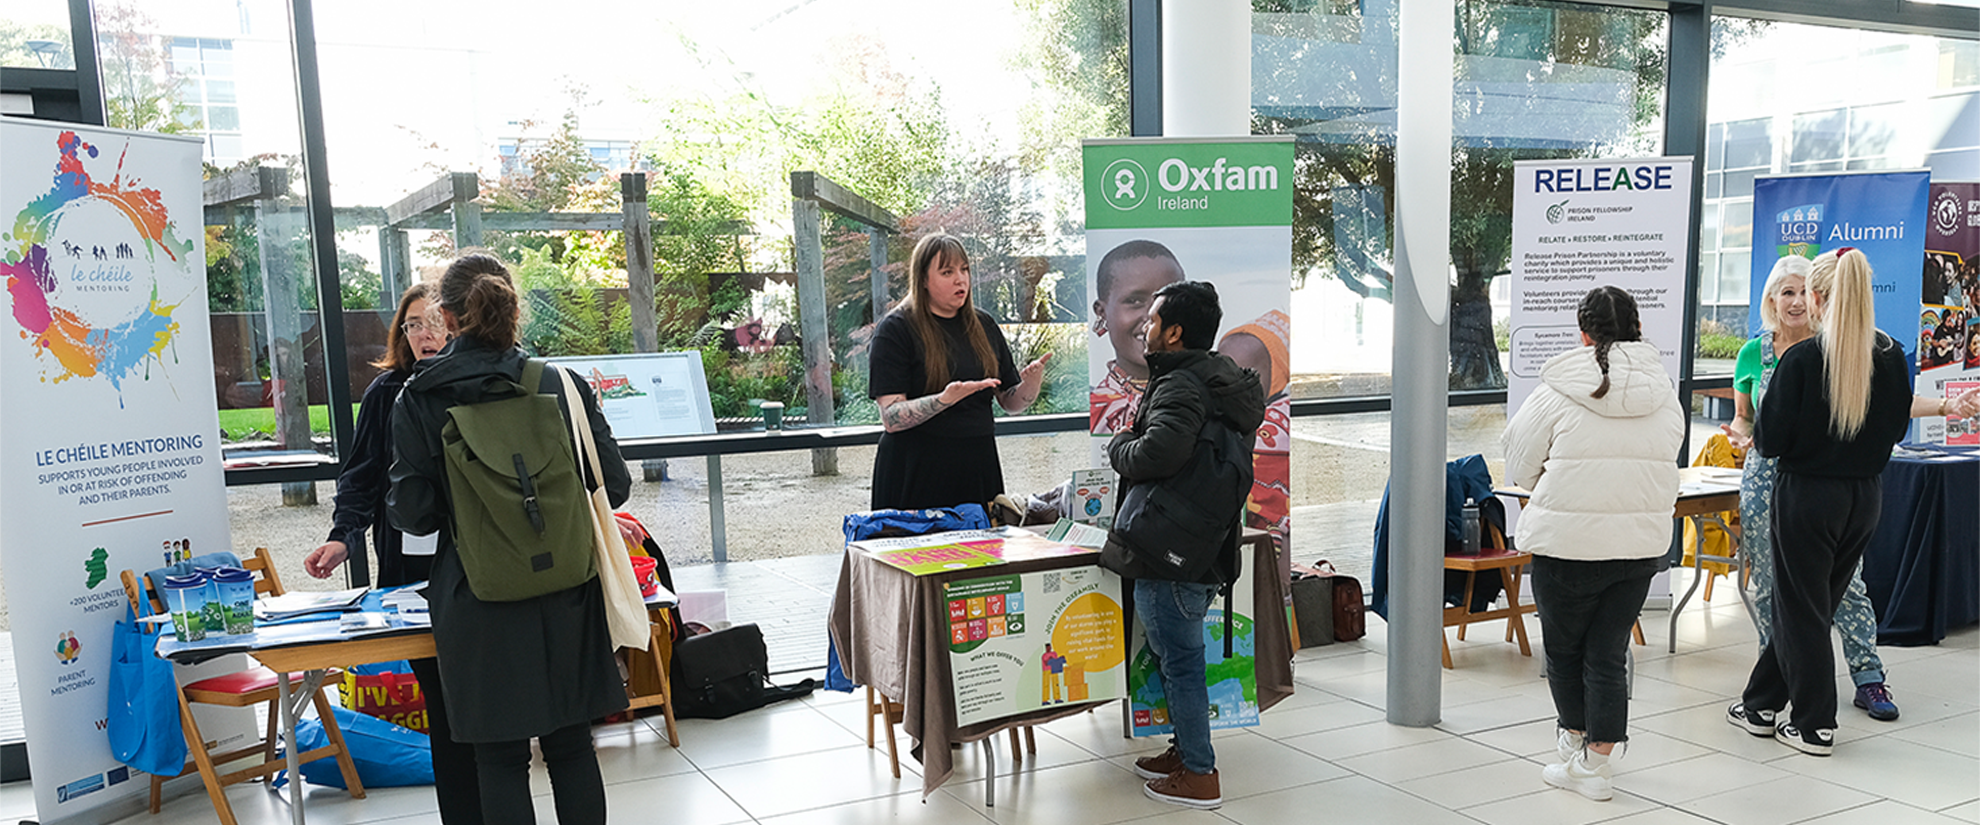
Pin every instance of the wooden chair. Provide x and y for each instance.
(254, 686)
(1493, 556)
(647, 672)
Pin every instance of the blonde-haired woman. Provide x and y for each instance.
(1834, 409)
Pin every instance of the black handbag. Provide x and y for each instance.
(720, 674)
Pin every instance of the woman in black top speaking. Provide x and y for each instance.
(1837, 404)
(934, 364)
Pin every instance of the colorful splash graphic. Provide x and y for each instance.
(69, 290)
(67, 649)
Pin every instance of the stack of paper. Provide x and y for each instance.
(291, 605)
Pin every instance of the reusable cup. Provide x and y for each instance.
(185, 597)
(216, 622)
(236, 591)
(773, 415)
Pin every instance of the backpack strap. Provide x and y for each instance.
(532, 376)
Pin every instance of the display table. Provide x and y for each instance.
(1922, 567)
(312, 648)
(1704, 494)
(890, 630)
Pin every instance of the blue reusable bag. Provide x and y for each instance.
(386, 755)
(143, 722)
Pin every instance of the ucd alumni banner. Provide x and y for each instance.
(1881, 213)
(109, 445)
(1158, 211)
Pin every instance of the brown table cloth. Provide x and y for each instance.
(891, 632)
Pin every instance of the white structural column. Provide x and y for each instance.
(1422, 362)
(1206, 68)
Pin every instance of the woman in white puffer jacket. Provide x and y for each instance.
(1597, 442)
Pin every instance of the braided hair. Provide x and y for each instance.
(1607, 315)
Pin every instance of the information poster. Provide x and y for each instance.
(109, 441)
(649, 395)
(1233, 680)
(1019, 643)
(1948, 333)
(1581, 224)
(1880, 213)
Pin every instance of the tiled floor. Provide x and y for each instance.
(1325, 755)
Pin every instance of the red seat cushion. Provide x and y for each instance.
(248, 681)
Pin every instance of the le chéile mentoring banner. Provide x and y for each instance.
(1162, 210)
(1582, 224)
(109, 441)
(1880, 213)
(1949, 337)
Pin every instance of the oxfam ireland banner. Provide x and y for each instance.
(109, 445)
(1881, 213)
(1581, 224)
(1158, 211)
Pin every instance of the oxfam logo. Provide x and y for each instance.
(1124, 184)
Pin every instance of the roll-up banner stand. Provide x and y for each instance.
(1581, 224)
(1160, 210)
(1949, 335)
(110, 445)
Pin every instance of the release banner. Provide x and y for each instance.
(1881, 213)
(1162, 210)
(1018, 643)
(1581, 224)
(1949, 337)
(109, 443)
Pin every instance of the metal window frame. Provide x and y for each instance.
(1687, 84)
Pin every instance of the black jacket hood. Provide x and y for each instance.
(1236, 394)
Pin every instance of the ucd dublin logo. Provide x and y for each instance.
(1800, 228)
(1125, 184)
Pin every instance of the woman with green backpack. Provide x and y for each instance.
(484, 457)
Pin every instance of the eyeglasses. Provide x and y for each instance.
(417, 327)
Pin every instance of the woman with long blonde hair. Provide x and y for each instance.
(1835, 407)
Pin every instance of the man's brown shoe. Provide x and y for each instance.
(1194, 790)
(1160, 765)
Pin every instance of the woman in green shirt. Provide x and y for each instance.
(1786, 319)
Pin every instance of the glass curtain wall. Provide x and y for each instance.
(1789, 98)
(34, 34)
(223, 70)
(1534, 80)
(532, 127)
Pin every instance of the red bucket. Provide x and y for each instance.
(643, 567)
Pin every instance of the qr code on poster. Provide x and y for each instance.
(1050, 583)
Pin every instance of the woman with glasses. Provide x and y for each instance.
(414, 336)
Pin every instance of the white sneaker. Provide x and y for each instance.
(1568, 743)
(1586, 773)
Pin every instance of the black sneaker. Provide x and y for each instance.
(1752, 720)
(1819, 742)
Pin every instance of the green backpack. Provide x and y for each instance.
(522, 515)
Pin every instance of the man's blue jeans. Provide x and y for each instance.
(1173, 614)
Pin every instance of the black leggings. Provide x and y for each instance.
(575, 783)
(454, 778)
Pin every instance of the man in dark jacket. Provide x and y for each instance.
(1180, 329)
